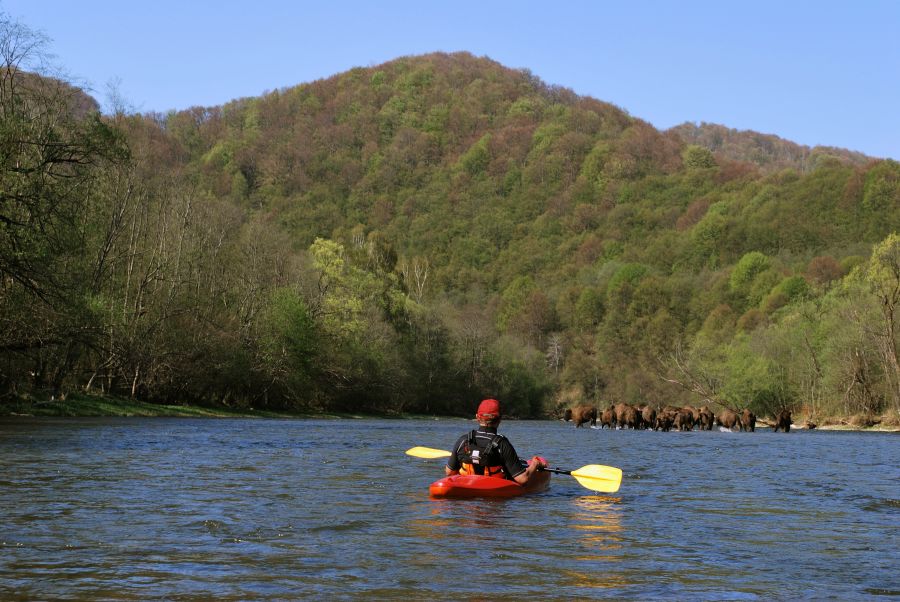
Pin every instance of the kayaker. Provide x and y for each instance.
(483, 451)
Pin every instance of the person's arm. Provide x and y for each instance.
(453, 462)
(511, 462)
(536, 464)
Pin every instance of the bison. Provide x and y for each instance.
(783, 421)
(583, 413)
(748, 421)
(728, 419)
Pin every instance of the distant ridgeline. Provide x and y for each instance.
(415, 236)
(770, 153)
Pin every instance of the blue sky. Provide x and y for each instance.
(814, 72)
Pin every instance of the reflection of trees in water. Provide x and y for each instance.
(449, 522)
(448, 517)
(587, 553)
(597, 522)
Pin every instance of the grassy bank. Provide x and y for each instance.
(96, 405)
(100, 405)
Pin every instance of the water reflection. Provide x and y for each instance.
(459, 514)
(131, 509)
(597, 521)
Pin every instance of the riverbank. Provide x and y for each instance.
(80, 405)
(885, 424)
(98, 405)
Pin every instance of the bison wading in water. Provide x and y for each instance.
(783, 421)
(582, 413)
(684, 419)
(608, 418)
(748, 421)
(627, 416)
(728, 419)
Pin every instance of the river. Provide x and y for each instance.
(265, 509)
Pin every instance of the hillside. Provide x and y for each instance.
(416, 235)
(464, 159)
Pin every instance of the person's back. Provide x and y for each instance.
(485, 452)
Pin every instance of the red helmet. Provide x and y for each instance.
(488, 409)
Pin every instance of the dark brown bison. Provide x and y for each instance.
(728, 419)
(748, 421)
(684, 419)
(665, 418)
(583, 413)
(695, 413)
(707, 418)
(783, 421)
(648, 416)
(608, 418)
(627, 416)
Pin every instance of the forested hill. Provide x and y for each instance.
(491, 174)
(420, 234)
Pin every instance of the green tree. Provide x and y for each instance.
(476, 159)
(54, 149)
(747, 269)
(697, 157)
(883, 277)
(290, 343)
(513, 300)
(754, 380)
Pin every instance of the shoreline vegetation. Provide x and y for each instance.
(84, 406)
(406, 238)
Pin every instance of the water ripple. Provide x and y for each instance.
(283, 509)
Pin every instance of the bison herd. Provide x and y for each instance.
(667, 418)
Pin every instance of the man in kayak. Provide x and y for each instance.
(484, 452)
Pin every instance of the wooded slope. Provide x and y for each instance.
(418, 235)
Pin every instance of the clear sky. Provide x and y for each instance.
(814, 72)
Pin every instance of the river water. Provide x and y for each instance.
(258, 509)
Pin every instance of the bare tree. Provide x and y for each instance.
(689, 377)
(555, 352)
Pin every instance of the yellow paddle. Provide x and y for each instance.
(427, 452)
(595, 477)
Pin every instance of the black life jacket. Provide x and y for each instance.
(482, 457)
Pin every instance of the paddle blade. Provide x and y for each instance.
(427, 452)
(596, 477)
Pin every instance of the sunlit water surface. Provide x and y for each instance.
(246, 509)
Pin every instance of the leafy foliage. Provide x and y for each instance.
(418, 235)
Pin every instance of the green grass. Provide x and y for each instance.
(101, 405)
(96, 405)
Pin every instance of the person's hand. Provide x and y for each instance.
(539, 462)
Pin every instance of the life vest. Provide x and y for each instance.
(482, 458)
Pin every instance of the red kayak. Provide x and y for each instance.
(466, 486)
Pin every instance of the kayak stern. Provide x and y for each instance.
(469, 486)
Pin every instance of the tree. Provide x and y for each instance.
(54, 150)
(824, 269)
(51, 140)
(883, 277)
(290, 343)
(697, 157)
(753, 379)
